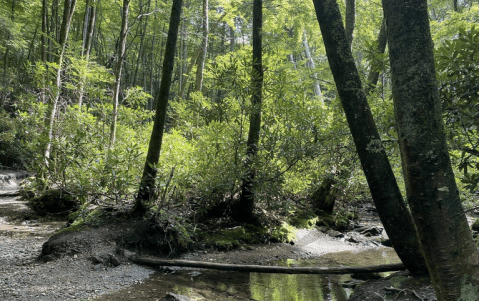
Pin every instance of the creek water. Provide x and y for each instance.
(221, 285)
(12, 206)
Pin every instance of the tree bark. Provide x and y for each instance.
(68, 9)
(350, 20)
(383, 186)
(143, 26)
(89, 27)
(146, 190)
(312, 66)
(245, 206)
(446, 240)
(118, 68)
(7, 48)
(204, 48)
(150, 261)
(373, 75)
(44, 46)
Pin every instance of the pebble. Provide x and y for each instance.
(22, 277)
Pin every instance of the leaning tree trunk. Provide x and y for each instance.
(373, 75)
(243, 211)
(383, 186)
(118, 68)
(69, 7)
(446, 240)
(204, 47)
(146, 190)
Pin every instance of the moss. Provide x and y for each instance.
(397, 281)
(53, 201)
(83, 220)
(283, 233)
(304, 221)
(469, 291)
(229, 238)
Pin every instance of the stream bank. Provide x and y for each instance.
(86, 265)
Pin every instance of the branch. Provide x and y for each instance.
(150, 261)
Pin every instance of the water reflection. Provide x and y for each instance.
(265, 287)
(220, 285)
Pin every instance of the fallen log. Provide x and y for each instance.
(150, 261)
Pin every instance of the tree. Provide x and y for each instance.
(350, 20)
(203, 49)
(88, 29)
(383, 186)
(245, 206)
(373, 75)
(118, 67)
(68, 9)
(446, 240)
(146, 190)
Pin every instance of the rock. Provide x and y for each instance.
(114, 261)
(47, 258)
(386, 243)
(370, 231)
(366, 276)
(174, 297)
(97, 267)
(334, 233)
(352, 283)
(323, 229)
(125, 253)
(354, 238)
(96, 259)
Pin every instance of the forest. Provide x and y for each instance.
(262, 113)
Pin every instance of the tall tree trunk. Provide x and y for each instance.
(245, 206)
(204, 49)
(68, 9)
(350, 20)
(193, 60)
(146, 190)
(383, 186)
(184, 56)
(373, 75)
(86, 19)
(7, 48)
(312, 66)
(89, 28)
(446, 240)
(43, 52)
(143, 26)
(118, 67)
(232, 38)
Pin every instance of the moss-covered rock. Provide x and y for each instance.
(229, 238)
(54, 202)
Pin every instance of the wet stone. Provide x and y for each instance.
(174, 297)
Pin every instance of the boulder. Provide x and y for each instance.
(334, 233)
(174, 297)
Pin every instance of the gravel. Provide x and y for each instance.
(23, 277)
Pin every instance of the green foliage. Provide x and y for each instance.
(458, 74)
(283, 233)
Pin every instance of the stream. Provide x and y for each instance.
(220, 285)
(203, 284)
